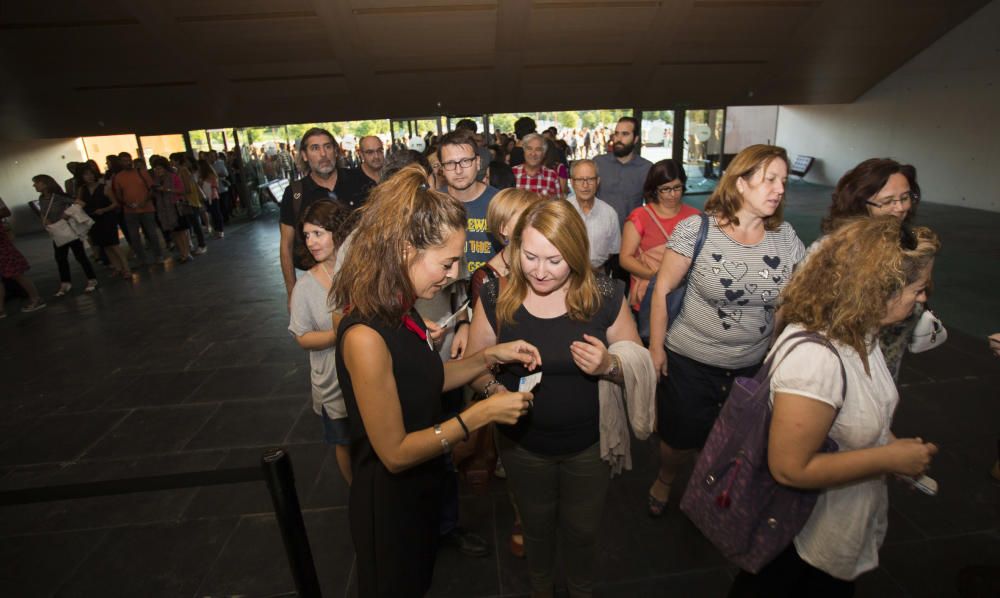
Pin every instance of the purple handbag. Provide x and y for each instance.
(732, 497)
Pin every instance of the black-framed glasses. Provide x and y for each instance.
(587, 180)
(669, 189)
(450, 165)
(904, 199)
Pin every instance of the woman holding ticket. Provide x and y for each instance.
(408, 245)
(553, 300)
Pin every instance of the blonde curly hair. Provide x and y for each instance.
(846, 283)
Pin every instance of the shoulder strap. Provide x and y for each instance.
(702, 235)
(656, 221)
(296, 187)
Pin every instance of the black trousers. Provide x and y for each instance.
(62, 260)
(788, 576)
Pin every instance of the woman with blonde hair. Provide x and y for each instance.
(501, 216)
(879, 270)
(408, 245)
(552, 299)
(725, 325)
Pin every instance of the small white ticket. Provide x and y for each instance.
(449, 320)
(529, 382)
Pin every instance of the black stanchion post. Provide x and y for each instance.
(277, 467)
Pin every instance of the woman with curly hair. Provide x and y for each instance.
(880, 187)
(869, 273)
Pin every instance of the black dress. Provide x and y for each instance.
(104, 233)
(394, 518)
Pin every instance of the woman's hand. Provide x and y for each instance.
(659, 355)
(590, 355)
(513, 352)
(910, 456)
(507, 407)
(434, 332)
(460, 341)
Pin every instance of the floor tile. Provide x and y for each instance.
(248, 423)
(154, 430)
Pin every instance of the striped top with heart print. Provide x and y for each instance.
(732, 293)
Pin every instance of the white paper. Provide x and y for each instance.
(528, 383)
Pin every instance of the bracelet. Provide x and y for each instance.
(616, 369)
(493, 382)
(445, 445)
(459, 324)
(461, 422)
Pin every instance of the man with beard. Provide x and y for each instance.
(623, 173)
(318, 150)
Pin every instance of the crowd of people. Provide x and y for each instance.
(474, 308)
(174, 206)
(456, 272)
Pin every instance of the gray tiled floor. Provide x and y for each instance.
(190, 368)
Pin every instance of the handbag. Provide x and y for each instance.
(650, 258)
(79, 220)
(732, 496)
(675, 298)
(60, 232)
(928, 333)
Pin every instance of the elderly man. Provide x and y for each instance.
(599, 217)
(533, 175)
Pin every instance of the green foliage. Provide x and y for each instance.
(568, 119)
(503, 122)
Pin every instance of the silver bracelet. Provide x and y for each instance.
(491, 383)
(445, 445)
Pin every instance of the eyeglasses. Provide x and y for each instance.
(904, 199)
(590, 180)
(452, 164)
(671, 189)
(372, 152)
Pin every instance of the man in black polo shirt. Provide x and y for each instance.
(318, 151)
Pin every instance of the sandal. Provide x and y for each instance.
(657, 506)
(517, 541)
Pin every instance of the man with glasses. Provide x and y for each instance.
(470, 126)
(358, 182)
(623, 173)
(599, 217)
(533, 175)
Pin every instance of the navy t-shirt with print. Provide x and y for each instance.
(478, 243)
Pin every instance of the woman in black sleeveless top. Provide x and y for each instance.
(408, 245)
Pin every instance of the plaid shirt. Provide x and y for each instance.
(545, 183)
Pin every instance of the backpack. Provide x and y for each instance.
(732, 496)
(675, 298)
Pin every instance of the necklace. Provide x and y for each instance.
(327, 272)
(503, 258)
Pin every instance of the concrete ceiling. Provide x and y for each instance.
(92, 68)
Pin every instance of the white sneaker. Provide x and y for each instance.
(64, 290)
(91, 286)
(199, 250)
(37, 305)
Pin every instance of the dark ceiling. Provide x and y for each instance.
(90, 68)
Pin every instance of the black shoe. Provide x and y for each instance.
(466, 542)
